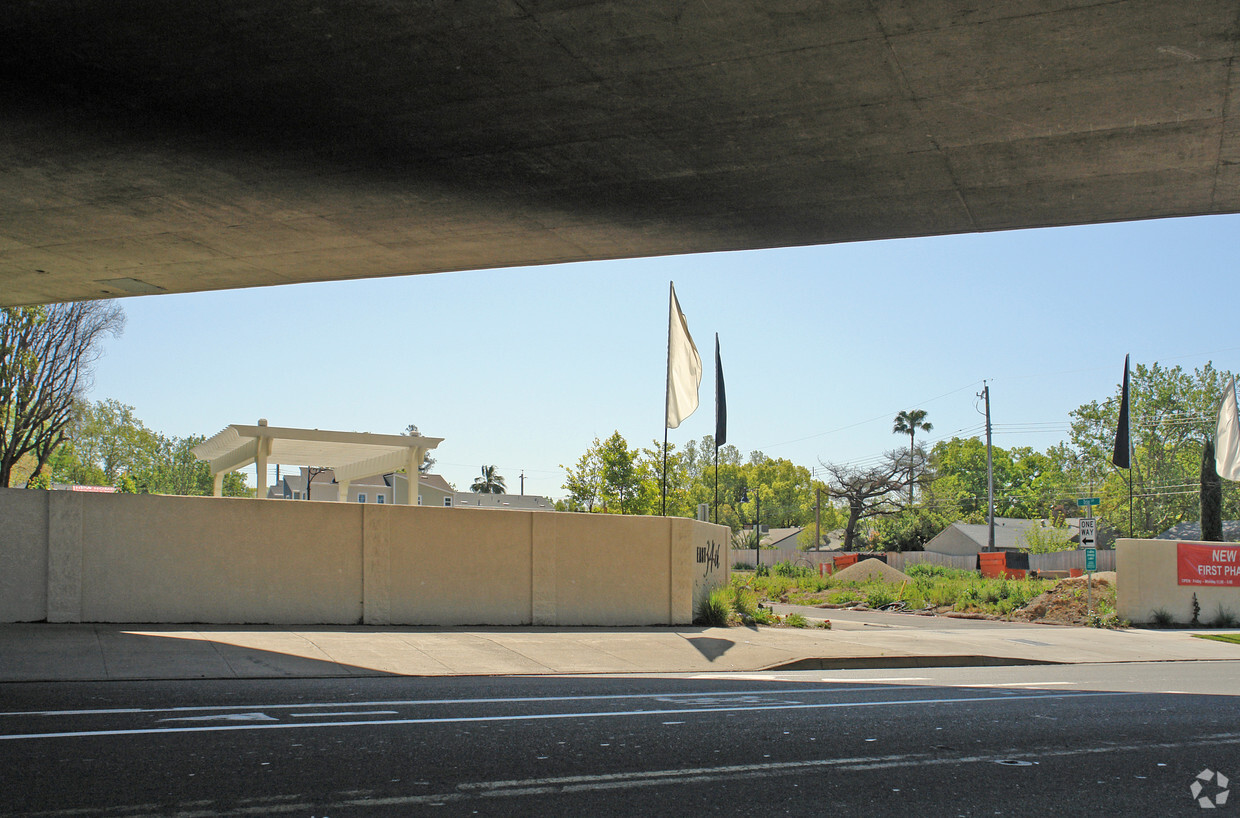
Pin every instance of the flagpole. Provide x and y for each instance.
(716, 483)
(667, 392)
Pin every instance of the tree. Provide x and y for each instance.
(866, 492)
(621, 477)
(1173, 412)
(46, 355)
(910, 423)
(427, 461)
(1044, 539)
(650, 495)
(489, 482)
(909, 529)
(107, 445)
(1211, 496)
(584, 482)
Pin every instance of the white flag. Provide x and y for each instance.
(1227, 440)
(684, 367)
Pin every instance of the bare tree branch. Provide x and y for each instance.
(46, 356)
(868, 492)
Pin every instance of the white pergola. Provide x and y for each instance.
(351, 455)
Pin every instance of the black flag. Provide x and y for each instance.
(1123, 441)
(721, 401)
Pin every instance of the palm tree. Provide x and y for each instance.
(910, 423)
(489, 482)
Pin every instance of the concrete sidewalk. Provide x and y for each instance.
(43, 652)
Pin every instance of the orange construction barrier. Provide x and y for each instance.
(992, 564)
(845, 560)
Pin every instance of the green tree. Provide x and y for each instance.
(1211, 496)
(1043, 539)
(908, 529)
(910, 423)
(679, 497)
(107, 445)
(46, 355)
(584, 481)
(621, 476)
(1173, 412)
(489, 482)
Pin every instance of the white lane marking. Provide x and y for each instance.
(1015, 684)
(341, 713)
(548, 716)
(647, 778)
(880, 679)
(421, 702)
(225, 717)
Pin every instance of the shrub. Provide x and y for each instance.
(795, 620)
(787, 569)
(926, 569)
(742, 566)
(843, 596)
(1162, 618)
(969, 597)
(879, 596)
(715, 609)
(765, 616)
(1224, 618)
(744, 603)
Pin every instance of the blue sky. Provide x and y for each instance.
(522, 368)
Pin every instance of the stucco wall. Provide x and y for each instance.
(23, 555)
(1148, 580)
(121, 558)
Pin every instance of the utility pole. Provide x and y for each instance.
(990, 477)
(817, 517)
(523, 482)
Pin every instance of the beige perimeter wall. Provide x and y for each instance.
(1148, 580)
(83, 557)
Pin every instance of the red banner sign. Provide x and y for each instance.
(1208, 564)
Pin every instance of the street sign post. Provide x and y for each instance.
(1088, 536)
(1088, 531)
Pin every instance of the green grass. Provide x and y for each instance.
(1234, 638)
(931, 586)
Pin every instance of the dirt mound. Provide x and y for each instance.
(1067, 602)
(867, 570)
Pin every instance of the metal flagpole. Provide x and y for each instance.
(667, 392)
(716, 483)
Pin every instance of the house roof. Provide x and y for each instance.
(1192, 531)
(1008, 531)
(777, 536)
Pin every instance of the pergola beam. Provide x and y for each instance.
(351, 455)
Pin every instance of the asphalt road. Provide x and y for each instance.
(1125, 739)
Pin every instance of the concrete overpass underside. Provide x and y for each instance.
(168, 146)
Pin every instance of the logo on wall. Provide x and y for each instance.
(1207, 796)
(709, 556)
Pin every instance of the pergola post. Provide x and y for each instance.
(217, 489)
(342, 496)
(411, 471)
(262, 448)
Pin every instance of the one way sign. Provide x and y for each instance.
(1088, 531)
